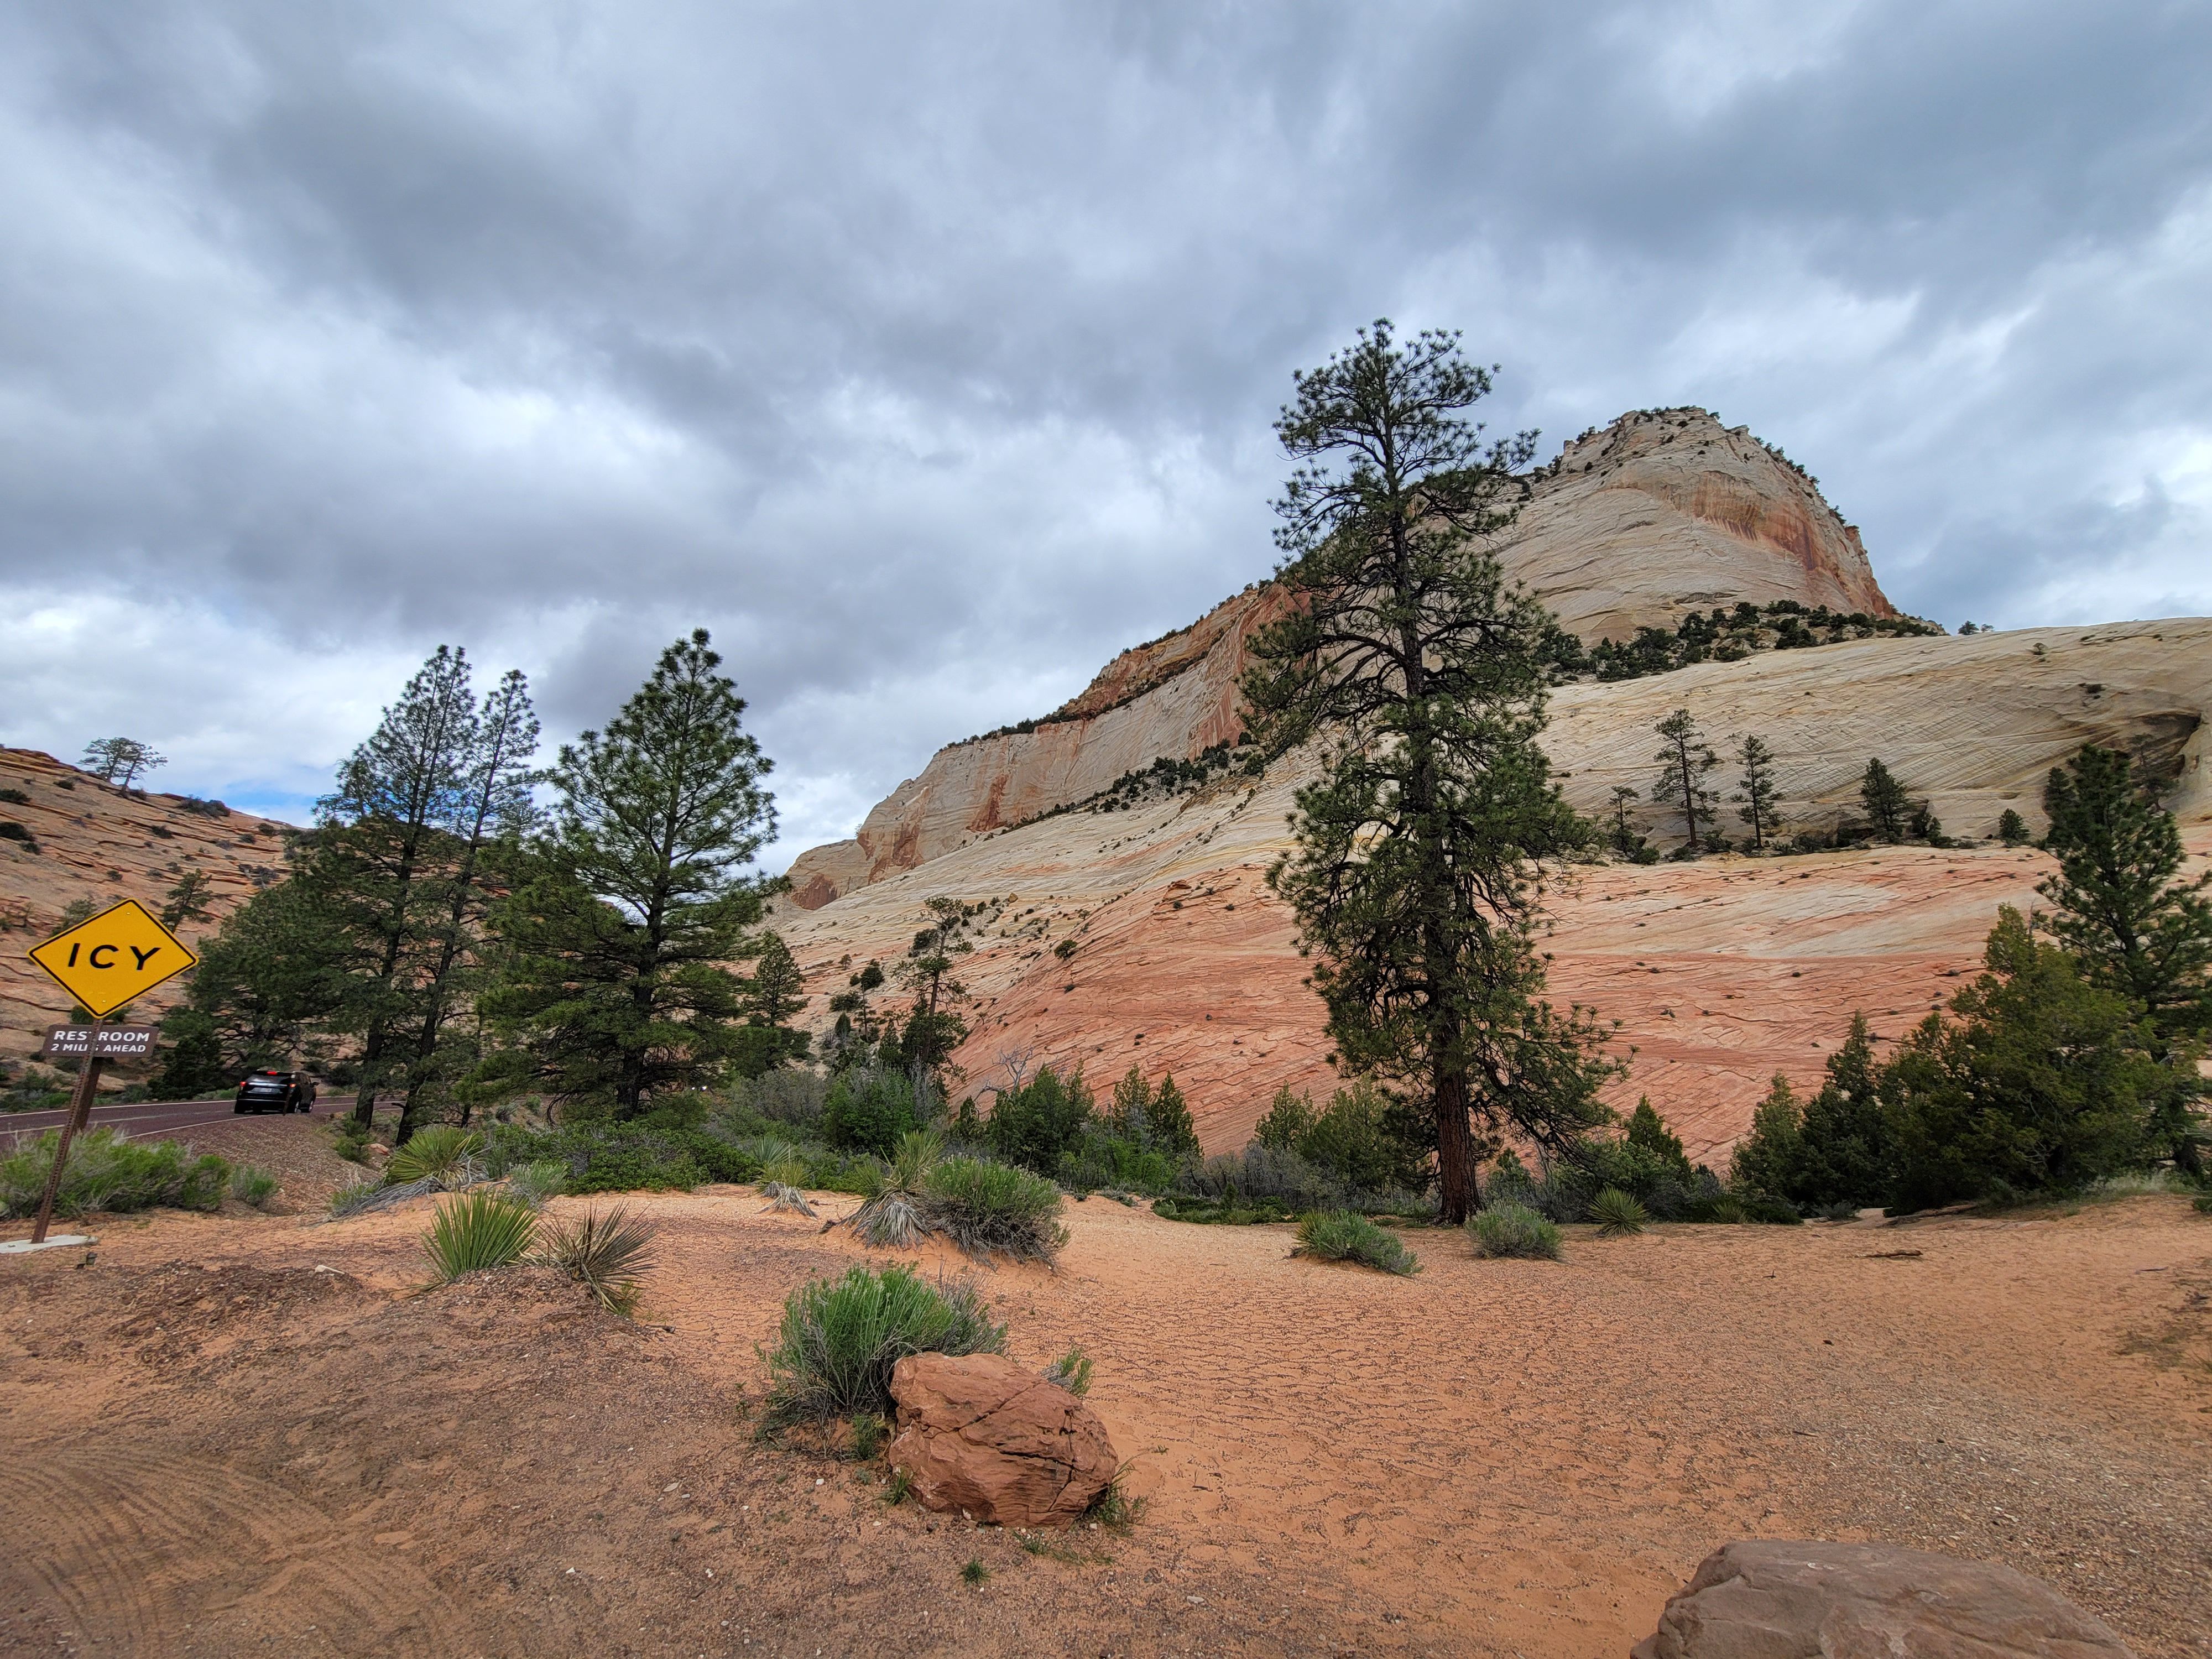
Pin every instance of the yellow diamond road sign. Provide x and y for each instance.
(121, 953)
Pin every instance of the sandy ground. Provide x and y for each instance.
(242, 1434)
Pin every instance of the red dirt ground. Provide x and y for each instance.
(244, 1434)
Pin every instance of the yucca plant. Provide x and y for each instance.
(440, 1153)
(607, 1255)
(476, 1231)
(1618, 1214)
(782, 1195)
(894, 1218)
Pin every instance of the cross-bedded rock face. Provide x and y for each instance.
(1661, 513)
(1723, 972)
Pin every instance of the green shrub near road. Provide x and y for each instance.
(108, 1172)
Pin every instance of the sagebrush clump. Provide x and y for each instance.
(989, 1209)
(1341, 1236)
(1514, 1229)
(105, 1171)
(841, 1337)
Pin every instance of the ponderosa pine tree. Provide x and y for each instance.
(1414, 879)
(1758, 792)
(1685, 757)
(618, 988)
(372, 859)
(774, 994)
(2134, 924)
(490, 810)
(1887, 804)
(119, 761)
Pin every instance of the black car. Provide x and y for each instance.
(276, 1091)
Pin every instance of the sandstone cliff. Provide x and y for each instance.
(1722, 972)
(102, 844)
(1660, 514)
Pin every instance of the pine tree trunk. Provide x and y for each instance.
(1455, 1149)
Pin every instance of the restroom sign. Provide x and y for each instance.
(121, 953)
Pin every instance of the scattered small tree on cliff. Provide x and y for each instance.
(1413, 878)
(1758, 792)
(1625, 840)
(934, 1027)
(1685, 757)
(187, 900)
(1887, 804)
(119, 761)
(2012, 829)
(619, 987)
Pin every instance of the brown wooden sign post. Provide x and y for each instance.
(121, 953)
(91, 1045)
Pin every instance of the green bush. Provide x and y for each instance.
(1341, 1236)
(1223, 1212)
(349, 1139)
(476, 1231)
(867, 1110)
(355, 1197)
(1072, 1371)
(249, 1185)
(1618, 1214)
(1040, 1125)
(106, 1172)
(1514, 1229)
(1363, 1141)
(986, 1208)
(441, 1152)
(841, 1337)
(535, 1184)
(1261, 1172)
(617, 1157)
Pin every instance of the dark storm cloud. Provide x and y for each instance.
(927, 355)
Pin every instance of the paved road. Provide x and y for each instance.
(150, 1117)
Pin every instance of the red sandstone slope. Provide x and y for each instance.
(1658, 514)
(103, 844)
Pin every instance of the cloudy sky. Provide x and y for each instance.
(927, 354)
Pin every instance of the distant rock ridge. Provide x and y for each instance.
(1660, 514)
